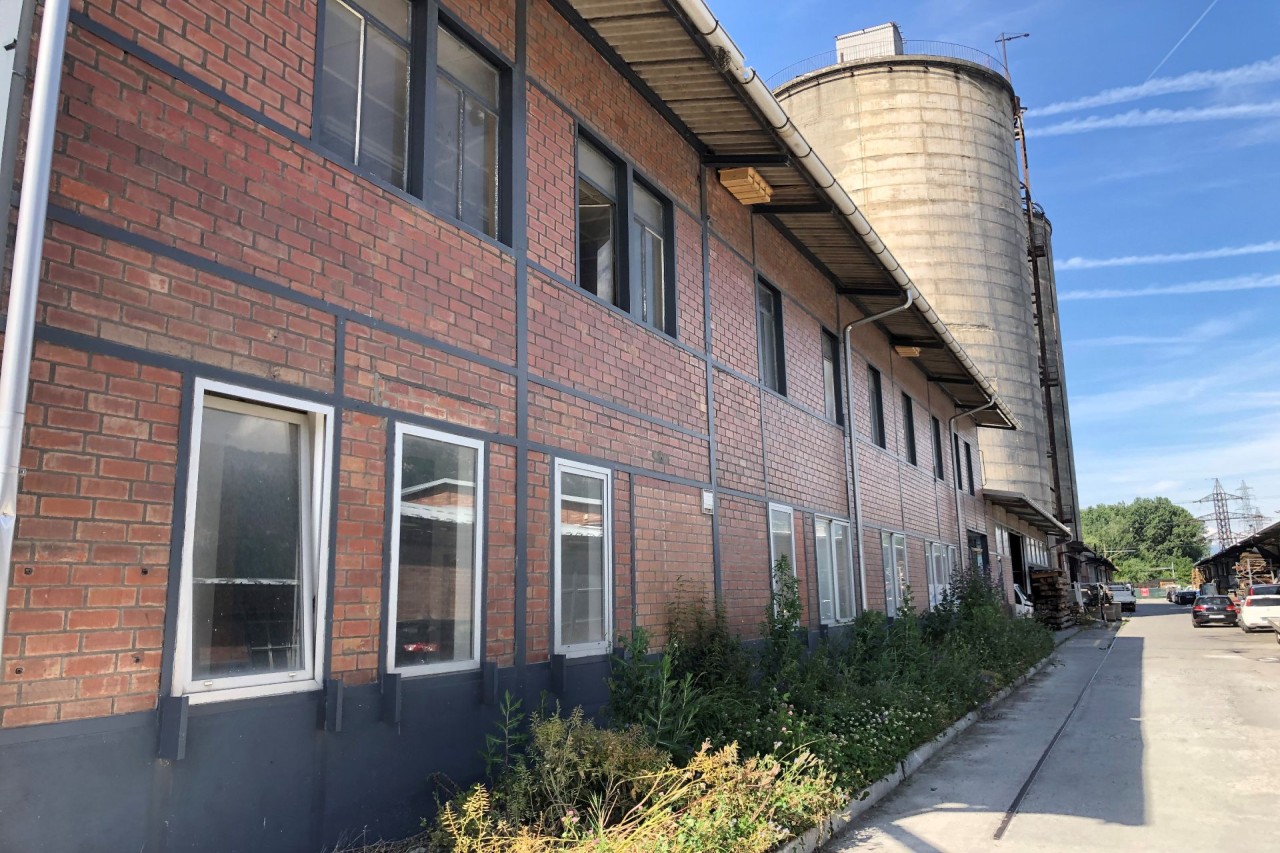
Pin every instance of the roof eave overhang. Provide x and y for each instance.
(1022, 507)
(681, 60)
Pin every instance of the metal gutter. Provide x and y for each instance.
(730, 59)
(24, 285)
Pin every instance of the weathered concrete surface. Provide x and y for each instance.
(1174, 746)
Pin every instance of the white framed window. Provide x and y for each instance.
(893, 557)
(437, 533)
(583, 595)
(941, 567)
(252, 593)
(835, 570)
(781, 537)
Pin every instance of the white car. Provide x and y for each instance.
(1022, 605)
(1262, 603)
(1122, 594)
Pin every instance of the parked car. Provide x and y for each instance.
(1022, 605)
(1263, 589)
(1258, 608)
(1122, 594)
(1185, 596)
(1213, 610)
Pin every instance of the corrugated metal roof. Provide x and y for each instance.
(684, 74)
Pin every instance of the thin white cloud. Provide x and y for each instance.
(1174, 258)
(1200, 333)
(1223, 285)
(1265, 71)
(1161, 118)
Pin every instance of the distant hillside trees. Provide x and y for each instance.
(1145, 538)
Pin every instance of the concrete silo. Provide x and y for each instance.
(1063, 460)
(924, 144)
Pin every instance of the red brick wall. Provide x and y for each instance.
(262, 54)
(390, 371)
(552, 186)
(500, 565)
(745, 570)
(673, 550)
(86, 608)
(122, 294)
(733, 312)
(583, 344)
(739, 447)
(357, 593)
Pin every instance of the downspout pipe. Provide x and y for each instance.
(731, 59)
(855, 484)
(962, 540)
(24, 285)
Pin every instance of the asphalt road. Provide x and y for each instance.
(1174, 744)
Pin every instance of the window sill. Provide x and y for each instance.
(257, 691)
(430, 669)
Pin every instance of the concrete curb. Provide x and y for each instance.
(816, 836)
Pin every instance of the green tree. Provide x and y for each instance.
(1145, 538)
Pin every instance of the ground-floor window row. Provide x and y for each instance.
(252, 586)
(941, 564)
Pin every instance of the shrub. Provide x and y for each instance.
(581, 788)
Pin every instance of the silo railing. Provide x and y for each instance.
(910, 47)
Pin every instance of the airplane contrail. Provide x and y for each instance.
(1181, 40)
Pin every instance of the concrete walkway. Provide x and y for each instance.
(1174, 744)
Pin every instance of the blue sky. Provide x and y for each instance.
(1158, 168)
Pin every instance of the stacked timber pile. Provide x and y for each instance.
(1051, 592)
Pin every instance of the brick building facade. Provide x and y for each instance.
(321, 456)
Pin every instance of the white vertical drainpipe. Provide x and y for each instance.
(24, 286)
(847, 339)
(962, 540)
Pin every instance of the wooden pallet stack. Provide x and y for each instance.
(1051, 591)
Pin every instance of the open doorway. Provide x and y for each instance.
(1017, 563)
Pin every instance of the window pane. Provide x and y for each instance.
(595, 241)
(826, 578)
(843, 571)
(653, 279)
(598, 168)
(384, 108)
(767, 326)
(480, 168)
(648, 208)
(900, 561)
(247, 547)
(446, 164)
(875, 403)
(829, 374)
(393, 13)
(582, 559)
(436, 572)
(337, 107)
(909, 428)
(468, 68)
(780, 530)
(890, 574)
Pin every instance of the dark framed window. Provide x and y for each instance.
(875, 405)
(769, 328)
(955, 449)
(408, 100)
(909, 428)
(968, 465)
(939, 468)
(831, 377)
(625, 239)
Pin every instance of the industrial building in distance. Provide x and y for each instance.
(375, 359)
